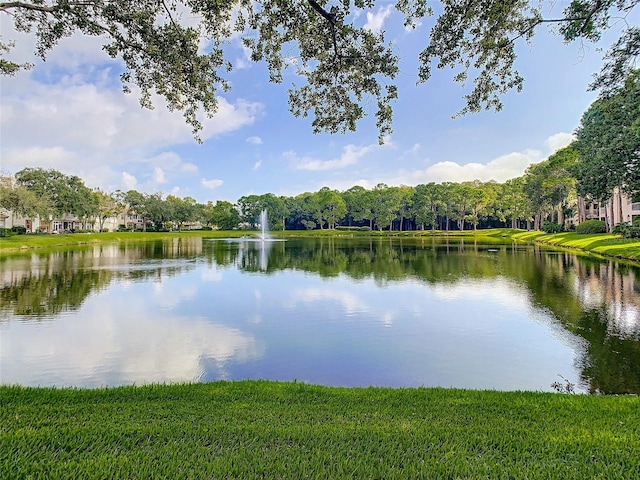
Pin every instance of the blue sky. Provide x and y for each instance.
(70, 114)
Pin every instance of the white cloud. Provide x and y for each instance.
(189, 167)
(46, 157)
(254, 140)
(375, 21)
(257, 165)
(128, 181)
(350, 155)
(243, 61)
(159, 176)
(94, 131)
(94, 118)
(559, 140)
(499, 169)
(211, 184)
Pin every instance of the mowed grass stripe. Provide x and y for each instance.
(260, 429)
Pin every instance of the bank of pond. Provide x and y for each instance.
(116, 356)
(606, 245)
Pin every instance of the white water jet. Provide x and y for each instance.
(264, 226)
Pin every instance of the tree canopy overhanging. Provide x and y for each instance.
(343, 68)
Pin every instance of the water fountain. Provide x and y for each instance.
(264, 225)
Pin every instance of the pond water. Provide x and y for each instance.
(334, 311)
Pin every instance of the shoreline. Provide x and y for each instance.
(602, 245)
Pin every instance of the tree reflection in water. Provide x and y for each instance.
(595, 300)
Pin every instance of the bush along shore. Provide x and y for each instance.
(260, 429)
(603, 244)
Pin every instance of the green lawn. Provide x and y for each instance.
(603, 244)
(259, 429)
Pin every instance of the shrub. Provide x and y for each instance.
(591, 226)
(105, 230)
(19, 230)
(6, 232)
(551, 227)
(627, 230)
(620, 228)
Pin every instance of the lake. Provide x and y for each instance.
(335, 311)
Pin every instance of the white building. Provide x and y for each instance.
(619, 208)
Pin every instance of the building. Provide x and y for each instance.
(619, 208)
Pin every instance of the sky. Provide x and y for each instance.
(69, 114)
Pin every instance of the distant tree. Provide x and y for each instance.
(106, 206)
(447, 193)
(387, 203)
(424, 205)
(24, 202)
(404, 196)
(512, 204)
(355, 200)
(479, 197)
(250, 207)
(66, 193)
(277, 210)
(223, 215)
(137, 204)
(181, 210)
(158, 210)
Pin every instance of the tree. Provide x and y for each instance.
(180, 210)
(223, 215)
(137, 203)
(478, 197)
(387, 203)
(250, 207)
(157, 210)
(608, 143)
(106, 206)
(343, 67)
(560, 185)
(446, 194)
(66, 193)
(331, 207)
(424, 205)
(22, 201)
(355, 200)
(512, 203)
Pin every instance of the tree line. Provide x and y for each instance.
(604, 159)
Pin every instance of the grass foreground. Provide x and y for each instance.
(261, 429)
